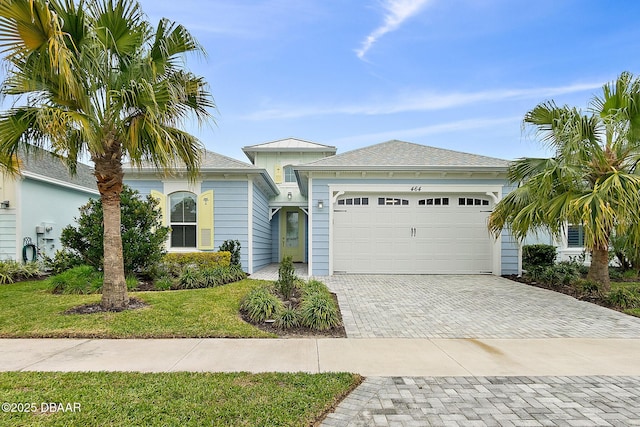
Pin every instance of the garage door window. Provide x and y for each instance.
(354, 201)
(391, 201)
(466, 201)
(436, 201)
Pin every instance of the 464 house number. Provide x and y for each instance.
(416, 188)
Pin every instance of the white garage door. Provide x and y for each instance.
(412, 234)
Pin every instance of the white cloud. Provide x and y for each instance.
(409, 134)
(396, 12)
(419, 101)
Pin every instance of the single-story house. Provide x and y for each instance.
(394, 207)
(37, 204)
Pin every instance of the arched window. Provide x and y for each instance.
(183, 215)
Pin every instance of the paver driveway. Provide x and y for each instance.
(479, 307)
(482, 306)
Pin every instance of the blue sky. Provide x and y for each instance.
(456, 74)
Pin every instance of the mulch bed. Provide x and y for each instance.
(302, 332)
(565, 289)
(134, 304)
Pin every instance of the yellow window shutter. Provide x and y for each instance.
(161, 199)
(205, 220)
(277, 175)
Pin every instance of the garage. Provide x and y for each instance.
(409, 233)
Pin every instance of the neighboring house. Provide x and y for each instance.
(42, 200)
(394, 207)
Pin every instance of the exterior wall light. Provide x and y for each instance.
(320, 204)
(289, 195)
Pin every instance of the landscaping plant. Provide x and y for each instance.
(233, 247)
(261, 304)
(13, 271)
(286, 277)
(143, 236)
(538, 256)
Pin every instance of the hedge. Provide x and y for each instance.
(199, 259)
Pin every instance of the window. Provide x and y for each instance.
(289, 175)
(575, 236)
(357, 201)
(437, 201)
(183, 219)
(390, 201)
(462, 201)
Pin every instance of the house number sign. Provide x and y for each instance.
(416, 188)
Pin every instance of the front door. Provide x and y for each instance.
(292, 234)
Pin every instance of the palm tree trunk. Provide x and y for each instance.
(108, 171)
(599, 270)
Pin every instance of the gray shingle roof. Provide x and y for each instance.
(400, 154)
(44, 163)
(209, 161)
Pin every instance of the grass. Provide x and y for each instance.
(174, 399)
(29, 310)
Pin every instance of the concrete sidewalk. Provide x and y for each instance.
(369, 357)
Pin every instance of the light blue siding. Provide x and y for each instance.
(37, 200)
(145, 186)
(230, 214)
(261, 229)
(320, 227)
(275, 238)
(510, 248)
(8, 226)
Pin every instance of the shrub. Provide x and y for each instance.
(191, 278)
(163, 283)
(538, 255)
(143, 235)
(63, 260)
(623, 298)
(588, 287)
(222, 275)
(233, 247)
(202, 260)
(13, 271)
(132, 282)
(319, 311)
(260, 304)
(287, 318)
(79, 280)
(563, 273)
(286, 277)
(313, 286)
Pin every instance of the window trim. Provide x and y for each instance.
(193, 224)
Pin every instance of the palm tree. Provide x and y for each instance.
(592, 180)
(94, 77)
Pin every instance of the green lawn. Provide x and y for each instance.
(28, 310)
(172, 399)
